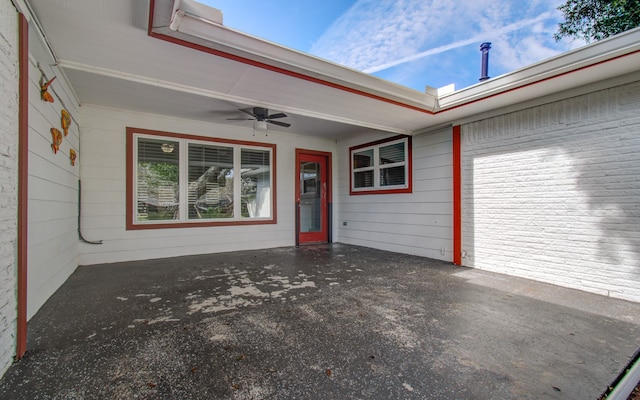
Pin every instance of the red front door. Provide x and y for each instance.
(312, 197)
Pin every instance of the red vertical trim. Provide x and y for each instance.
(457, 196)
(23, 176)
(274, 176)
(130, 214)
(297, 197)
(152, 7)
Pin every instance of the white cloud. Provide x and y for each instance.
(375, 35)
(373, 32)
(475, 39)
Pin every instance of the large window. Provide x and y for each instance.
(381, 167)
(179, 180)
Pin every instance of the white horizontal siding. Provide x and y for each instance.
(104, 191)
(552, 193)
(418, 223)
(53, 190)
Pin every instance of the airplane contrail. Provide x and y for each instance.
(477, 38)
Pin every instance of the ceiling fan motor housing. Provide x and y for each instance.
(260, 113)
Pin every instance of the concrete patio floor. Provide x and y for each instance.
(319, 322)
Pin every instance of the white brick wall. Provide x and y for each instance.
(8, 179)
(552, 193)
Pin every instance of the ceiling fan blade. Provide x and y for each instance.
(249, 112)
(278, 115)
(279, 123)
(240, 119)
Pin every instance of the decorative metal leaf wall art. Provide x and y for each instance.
(56, 140)
(65, 121)
(72, 156)
(44, 87)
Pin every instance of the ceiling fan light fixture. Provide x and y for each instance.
(260, 125)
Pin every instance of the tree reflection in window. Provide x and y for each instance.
(199, 181)
(158, 180)
(256, 183)
(210, 181)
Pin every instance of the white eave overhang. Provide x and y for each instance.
(191, 23)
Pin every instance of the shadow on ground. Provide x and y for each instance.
(318, 322)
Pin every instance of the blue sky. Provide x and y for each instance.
(410, 42)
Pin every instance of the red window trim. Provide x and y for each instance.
(130, 194)
(408, 189)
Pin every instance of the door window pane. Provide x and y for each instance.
(157, 183)
(310, 196)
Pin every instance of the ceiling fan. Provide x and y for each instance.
(262, 114)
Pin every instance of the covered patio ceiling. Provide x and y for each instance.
(124, 54)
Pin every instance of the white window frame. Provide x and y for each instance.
(377, 167)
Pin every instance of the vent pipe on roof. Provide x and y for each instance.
(484, 48)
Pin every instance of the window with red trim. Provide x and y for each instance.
(177, 180)
(381, 167)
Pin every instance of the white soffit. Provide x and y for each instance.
(595, 62)
(186, 26)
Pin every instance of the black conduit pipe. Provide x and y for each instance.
(79, 216)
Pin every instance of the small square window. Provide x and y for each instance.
(381, 167)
